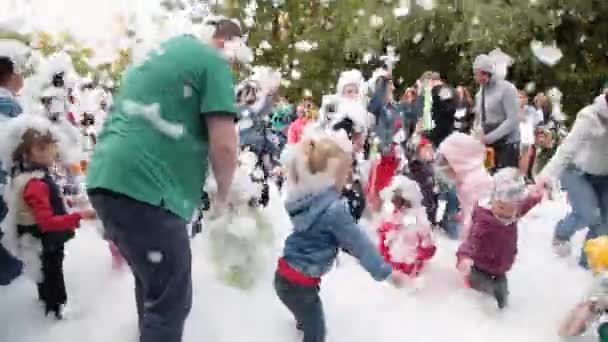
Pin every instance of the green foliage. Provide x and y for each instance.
(49, 44)
(445, 39)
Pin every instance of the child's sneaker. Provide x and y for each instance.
(562, 248)
(501, 294)
(501, 291)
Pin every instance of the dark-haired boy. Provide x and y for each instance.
(11, 82)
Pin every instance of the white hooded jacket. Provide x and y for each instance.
(585, 146)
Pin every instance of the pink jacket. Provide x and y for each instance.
(466, 157)
(296, 129)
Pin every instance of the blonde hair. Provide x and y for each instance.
(319, 162)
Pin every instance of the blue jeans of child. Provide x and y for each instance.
(588, 198)
(10, 267)
(305, 305)
(449, 223)
(155, 244)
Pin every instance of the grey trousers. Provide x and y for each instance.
(155, 244)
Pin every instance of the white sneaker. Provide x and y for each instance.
(562, 249)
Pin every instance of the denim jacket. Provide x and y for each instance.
(387, 114)
(9, 108)
(322, 226)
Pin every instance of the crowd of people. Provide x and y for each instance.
(434, 160)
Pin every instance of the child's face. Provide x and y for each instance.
(303, 108)
(400, 203)
(350, 92)
(358, 142)
(18, 82)
(427, 153)
(523, 99)
(504, 210)
(544, 139)
(43, 154)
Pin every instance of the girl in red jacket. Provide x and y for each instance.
(307, 113)
(41, 220)
(405, 233)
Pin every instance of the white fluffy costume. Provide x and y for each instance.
(242, 240)
(25, 247)
(405, 234)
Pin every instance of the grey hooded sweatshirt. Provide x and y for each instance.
(585, 145)
(502, 106)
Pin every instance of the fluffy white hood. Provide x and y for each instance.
(350, 77)
(16, 51)
(11, 133)
(353, 110)
(267, 78)
(407, 188)
(601, 106)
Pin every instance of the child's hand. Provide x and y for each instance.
(577, 321)
(218, 209)
(277, 171)
(464, 265)
(88, 214)
(536, 191)
(397, 279)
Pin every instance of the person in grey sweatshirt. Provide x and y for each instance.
(581, 165)
(497, 106)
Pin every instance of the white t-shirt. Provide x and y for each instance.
(526, 130)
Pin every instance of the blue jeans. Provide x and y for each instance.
(588, 198)
(155, 244)
(10, 267)
(449, 223)
(305, 305)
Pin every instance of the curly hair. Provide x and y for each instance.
(30, 139)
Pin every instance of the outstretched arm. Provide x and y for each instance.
(351, 237)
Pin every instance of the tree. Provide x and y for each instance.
(446, 38)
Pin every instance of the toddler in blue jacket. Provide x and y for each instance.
(317, 171)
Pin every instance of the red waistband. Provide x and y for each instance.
(295, 276)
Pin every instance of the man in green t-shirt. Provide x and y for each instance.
(175, 109)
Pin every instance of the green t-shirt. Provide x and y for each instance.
(154, 144)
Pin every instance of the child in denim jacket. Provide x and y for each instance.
(317, 172)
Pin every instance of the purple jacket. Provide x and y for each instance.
(491, 244)
(422, 173)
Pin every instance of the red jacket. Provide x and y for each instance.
(36, 196)
(415, 245)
